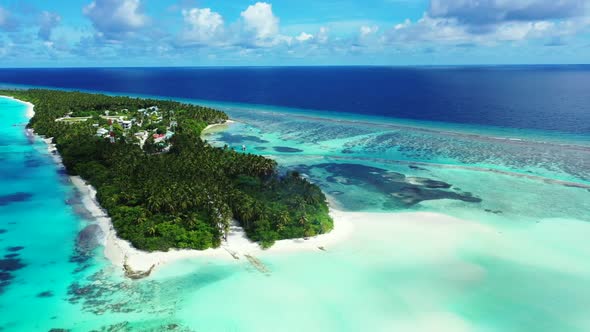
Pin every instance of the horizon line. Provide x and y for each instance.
(314, 66)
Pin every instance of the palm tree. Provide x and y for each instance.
(154, 203)
(141, 219)
(303, 220)
(283, 219)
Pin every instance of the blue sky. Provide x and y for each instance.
(41, 33)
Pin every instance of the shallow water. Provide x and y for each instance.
(510, 256)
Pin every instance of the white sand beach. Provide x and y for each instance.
(399, 226)
(218, 125)
(30, 112)
(121, 252)
(440, 231)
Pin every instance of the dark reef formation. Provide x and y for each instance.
(286, 149)
(403, 191)
(15, 198)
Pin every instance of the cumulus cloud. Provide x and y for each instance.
(368, 30)
(450, 31)
(257, 27)
(368, 38)
(428, 29)
(492, 21)
(202, 26)
(260, 20)
(304, 37)
(115, 19)
(481, 12)
(47, 23)
(122, 30)
(323, 35)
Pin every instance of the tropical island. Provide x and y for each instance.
(161, 184)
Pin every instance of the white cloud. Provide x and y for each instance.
(322, 36)
(428, 29)
(482, 12)
(368, 38)
(507, 20)
(260, 20)
(203, 26)
(515, 31)
(304, 37)
(114, 19)
(368, 30)
(489, 22)
(122, 29)
(257, 27)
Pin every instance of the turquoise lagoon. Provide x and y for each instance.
(501, 245)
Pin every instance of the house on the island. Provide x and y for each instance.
(69, 119)
(159, 138)
(101, 132)
(149, 110)
(126, 124)
(142, 135)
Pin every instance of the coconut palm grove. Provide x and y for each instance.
(163, 186)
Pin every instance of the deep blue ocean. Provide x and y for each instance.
(554, 98)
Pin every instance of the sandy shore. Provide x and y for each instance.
(237, 246)
(209, 127)
(30, 112)
(439, 231)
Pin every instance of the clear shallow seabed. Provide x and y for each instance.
(512, 256)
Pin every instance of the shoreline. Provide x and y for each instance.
(30, 112)
(211, 126)
(122, 254)
(237, 247)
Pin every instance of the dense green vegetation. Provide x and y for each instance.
(179, 192)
